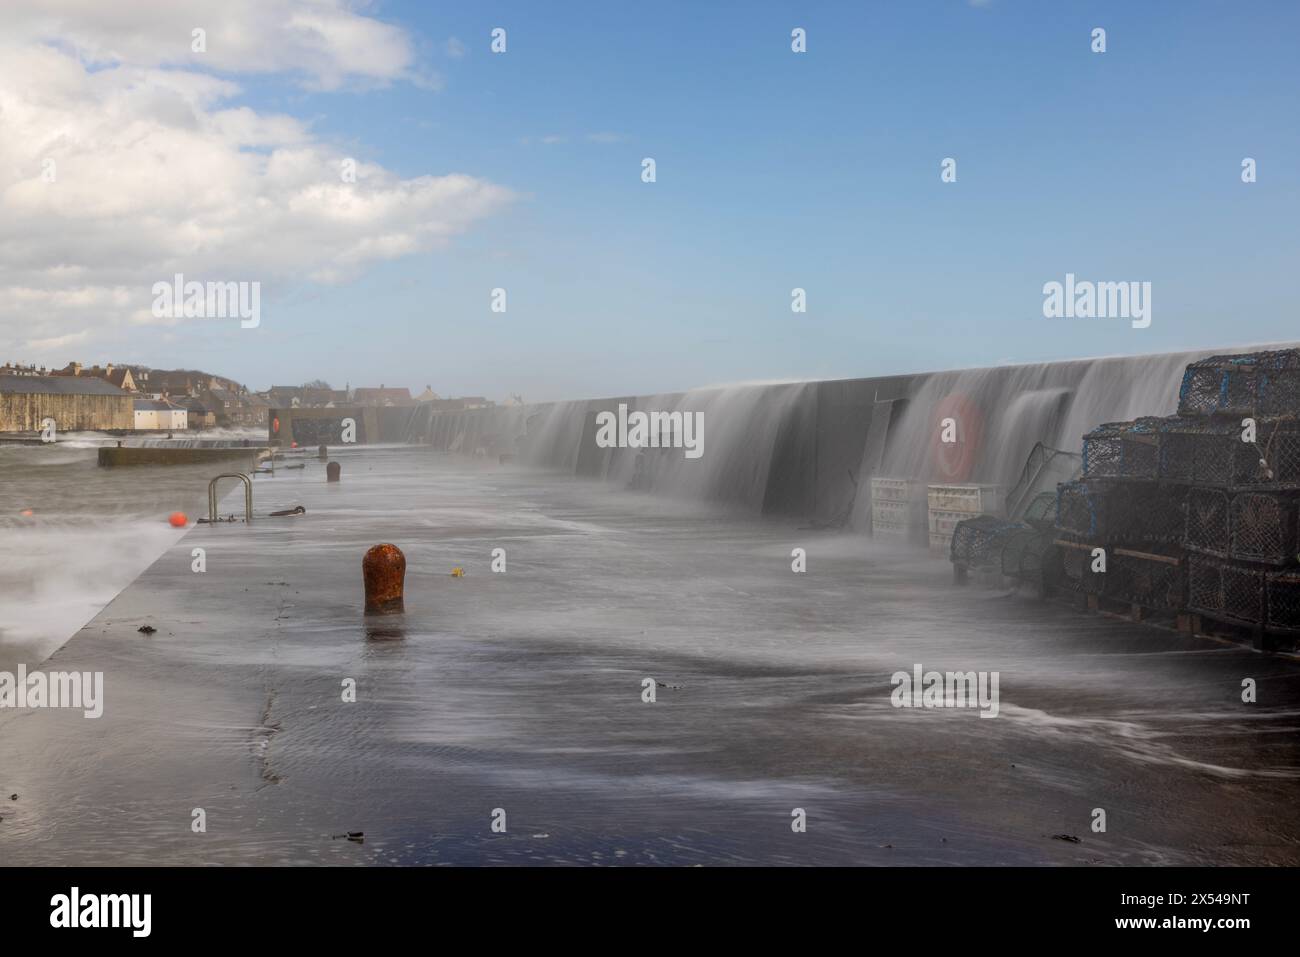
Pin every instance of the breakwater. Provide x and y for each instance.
(809, 449)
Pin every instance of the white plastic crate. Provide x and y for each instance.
(970, 499)
(896, 513)
(944, 521)
(898, 509)
(892, 531)
(894, 490)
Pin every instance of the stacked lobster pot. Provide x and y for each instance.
(1124, 506)
(1243, 509)
(1197, 512)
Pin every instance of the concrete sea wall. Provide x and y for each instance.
(809, 449)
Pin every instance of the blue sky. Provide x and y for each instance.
(778, 170)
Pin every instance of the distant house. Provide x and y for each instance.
(119, 376)
(257, 409)
(159, 414)
(461, 404)
(198, 415)
(223, 404)
(10, 368)
(382, 396)
(428, 395)
(75, 403)
(178, 382)
(297, 396)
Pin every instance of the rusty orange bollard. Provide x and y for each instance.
(384, 571)
(332, 472)
(322, 453)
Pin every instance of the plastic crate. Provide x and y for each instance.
(896, 513)
(968, 499)
(898, 509)
(944, 522)
(894, 490)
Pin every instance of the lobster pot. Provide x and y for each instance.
(1208, 524)
(1027, 555)
(1121, 511)
(1147, 514)
(1123, 450)
(1076, 569)
(897, 509)
(1041, 511)
(1155, 580)
(1080, 510)
(1284, 601)
(1257, 383)
(979, 541)
(1263, 527)
(1225, 590)
(1202, 453)
(1272, 461)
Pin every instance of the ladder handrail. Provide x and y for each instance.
(248, 495)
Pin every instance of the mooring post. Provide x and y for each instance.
(384, 570)
(332, 472)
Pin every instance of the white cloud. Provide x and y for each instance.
(455, 48)
(326, 42)
(157, 168)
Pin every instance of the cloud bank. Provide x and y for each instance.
(125, 157)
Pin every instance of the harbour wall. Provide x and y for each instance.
(809, 449)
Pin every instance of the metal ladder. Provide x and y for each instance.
(248, 496)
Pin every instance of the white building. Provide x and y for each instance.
(159, 415)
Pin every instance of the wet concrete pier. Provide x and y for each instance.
(523, 690)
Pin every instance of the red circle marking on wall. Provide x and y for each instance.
(955, 461)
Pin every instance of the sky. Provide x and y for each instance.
(126, 157)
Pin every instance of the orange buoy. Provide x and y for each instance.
(177, 519)
(293, 445)
(26, 513)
